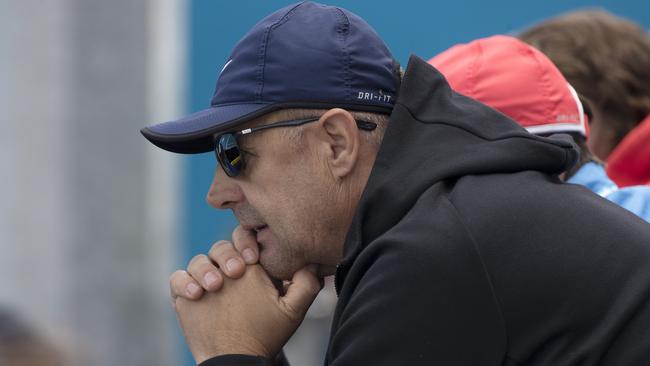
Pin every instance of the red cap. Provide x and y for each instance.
(517, 80)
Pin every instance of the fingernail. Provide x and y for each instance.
(192, 289)
(210, 279)
(232, 264)
(249, 255)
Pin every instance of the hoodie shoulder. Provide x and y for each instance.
(560, 257)
(422, 285)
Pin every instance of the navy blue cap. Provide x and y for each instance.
(306, 55)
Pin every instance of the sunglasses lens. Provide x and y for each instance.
(229, 155)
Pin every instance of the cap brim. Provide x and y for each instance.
(195, 133)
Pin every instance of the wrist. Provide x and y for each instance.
(240, 360)
(235, 344)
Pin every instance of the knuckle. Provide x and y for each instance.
(220, 247)
(177, 275)
(238, 234)
(176, 289)
(196, 259)
(242, 236)
(238, 231)
(220, 243)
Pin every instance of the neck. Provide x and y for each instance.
(349, 192)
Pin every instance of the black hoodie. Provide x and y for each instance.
(466, 249)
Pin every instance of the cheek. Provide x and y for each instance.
(291, 208)
(288, 190)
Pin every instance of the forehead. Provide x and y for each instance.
(272, 117)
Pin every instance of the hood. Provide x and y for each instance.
(436, 134)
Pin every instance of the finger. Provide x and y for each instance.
(301, 292)
(228, 258)
(181, 284)
(205, 272)
(285, 287)
(246, 243)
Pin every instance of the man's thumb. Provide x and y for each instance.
(301, 292)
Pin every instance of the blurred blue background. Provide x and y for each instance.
(93, 218)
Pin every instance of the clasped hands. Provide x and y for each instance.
(227, 304)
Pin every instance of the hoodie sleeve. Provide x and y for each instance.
(419, 295)
(245, 360)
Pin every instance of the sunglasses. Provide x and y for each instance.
(230, 155)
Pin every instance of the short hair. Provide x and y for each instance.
(295, 134)
(586, 156)
(606, 58)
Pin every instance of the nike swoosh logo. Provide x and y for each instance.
(226, 65)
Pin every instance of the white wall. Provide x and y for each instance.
(87, 209)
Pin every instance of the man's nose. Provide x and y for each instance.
(224, 192)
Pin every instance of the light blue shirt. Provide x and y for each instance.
(635, 198)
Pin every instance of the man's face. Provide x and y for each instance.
(284, 197)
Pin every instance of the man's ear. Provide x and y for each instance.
(340, 141)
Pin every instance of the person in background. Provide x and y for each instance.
(606, 58)
(522, 83)
(22, 345)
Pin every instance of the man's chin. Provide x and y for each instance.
(283, 269)
(286, 274)
(277, 271)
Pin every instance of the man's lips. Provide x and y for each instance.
(262, 234)
(254, 227)
(259, 230)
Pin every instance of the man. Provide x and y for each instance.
(451, 238)
(606, 58)
(522, 83)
